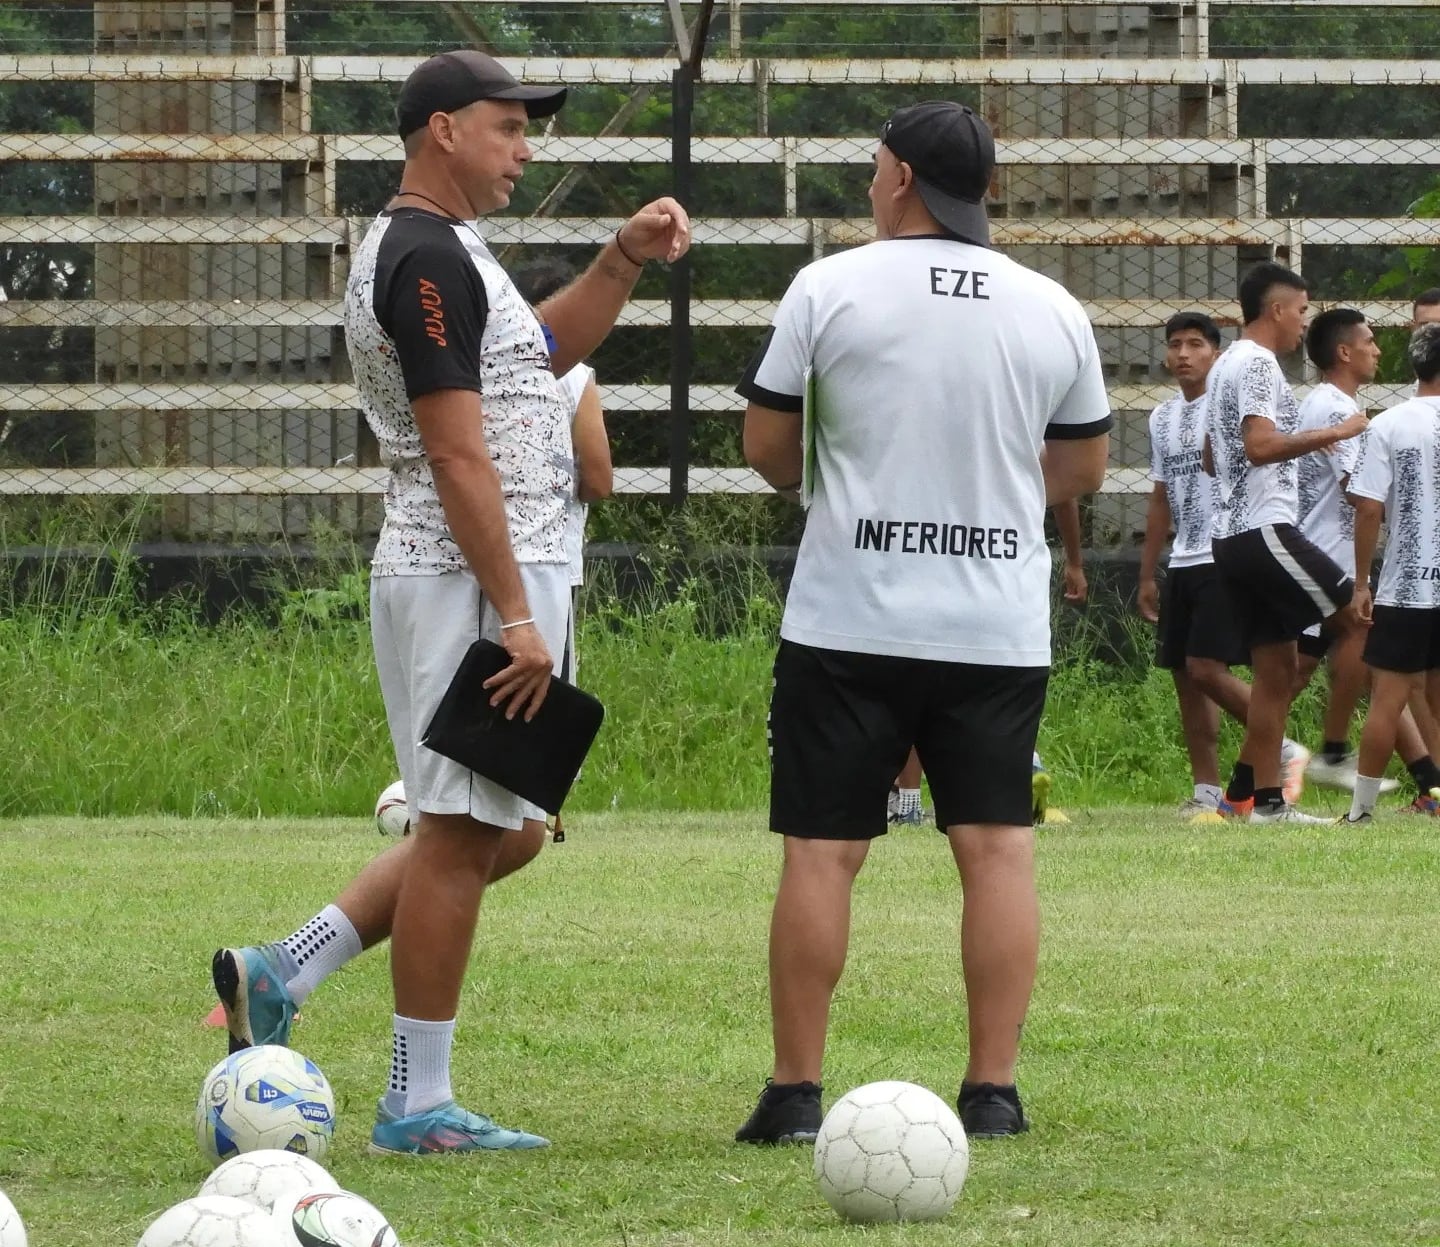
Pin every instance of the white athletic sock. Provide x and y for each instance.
(419, 1066)
(1367, 792)
(1210, 794)
(1289, 748)
(907, 801)
(318, 949)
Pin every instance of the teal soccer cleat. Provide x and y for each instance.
(258, 1008)
(443, 1129)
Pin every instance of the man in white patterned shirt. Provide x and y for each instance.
(1343, 347)
(1396, 481)
(1280, 583)
(456, 376)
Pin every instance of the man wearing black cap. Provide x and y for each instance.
(456, 376)
(926, 397)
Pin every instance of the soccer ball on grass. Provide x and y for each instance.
(268, 1178)
(262, 1098)
(891, 1151)
(392, 814)
(12, 1229)
(210, 1221)
(332, 1219)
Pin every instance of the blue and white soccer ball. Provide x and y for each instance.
(265, 1097)
(891, 1151)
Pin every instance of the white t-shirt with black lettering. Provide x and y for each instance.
(1246, 381)
(1326, 519)
(940, 368)
(1177, 450)
(1400, 467)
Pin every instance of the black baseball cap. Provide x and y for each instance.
(952, 153)
(448, 82)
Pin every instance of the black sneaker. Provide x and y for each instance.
(788, 1113)
(990, 1112)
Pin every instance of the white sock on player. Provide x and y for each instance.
(1210, 794)
(1367, 793)
(317, 950)
(419, 1066)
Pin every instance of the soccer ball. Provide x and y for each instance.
(210, 1221)
(12, 1229)
(266, 1097)
(334, 1219)
(891, 1151)
(268, 1177)
(392, 815)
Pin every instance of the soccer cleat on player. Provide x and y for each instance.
(251, 985)
(990, 1112)
(1236, 808)
(446, 1128)
(1283, 814)
(784, 1114)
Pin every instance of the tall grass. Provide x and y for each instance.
(114, 707)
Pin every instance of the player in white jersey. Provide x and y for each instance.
(456, 376)
(1398, 481)
(1343, 347)
(1197, 640)
(1280, 583)
(952, 394)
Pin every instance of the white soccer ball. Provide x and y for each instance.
(261, 1098)
(268, 1177)
(392, 814)
(12, 1229)
(891, 1151)
(210, 1221)
(333, 1219)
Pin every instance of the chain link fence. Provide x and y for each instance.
(181, 185)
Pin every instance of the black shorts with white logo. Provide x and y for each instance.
(1404, 639)
(842, 724)
(1197, 620)
(1280, 582)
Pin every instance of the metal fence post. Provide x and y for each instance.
(682, 344)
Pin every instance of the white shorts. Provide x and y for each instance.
(421, 627)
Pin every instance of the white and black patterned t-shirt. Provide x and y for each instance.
(572, 389)
(1177, 445)
(1400, 467)
(1246, 381)
(1325, 517)
(429, 308)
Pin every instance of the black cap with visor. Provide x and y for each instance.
(952, 154)
(454, 80)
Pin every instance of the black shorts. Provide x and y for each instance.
(842, 725)
(1197, 620)
(1280, 582)
(1315, 644)
(1405, 639)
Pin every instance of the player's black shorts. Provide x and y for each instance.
(1280, 582)
(1315, 644)
(1404, 639)
(1197, 620)
(842, 724)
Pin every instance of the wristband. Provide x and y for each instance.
(620, 246)
(519, 623)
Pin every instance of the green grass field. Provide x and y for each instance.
(1234, 1037)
